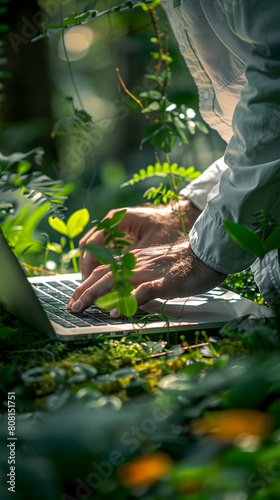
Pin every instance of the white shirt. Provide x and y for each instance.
(232, 49)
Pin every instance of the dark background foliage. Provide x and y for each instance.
(100, 161)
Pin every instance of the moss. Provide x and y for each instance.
(233, 347)
(175, 364)
(45, 386)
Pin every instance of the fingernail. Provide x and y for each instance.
(69, 305)
(115, 313)
(77, 306)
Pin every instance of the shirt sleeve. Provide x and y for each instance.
(252, 181)
(197, 191)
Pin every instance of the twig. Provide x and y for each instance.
(39, 269)
(154, 19)
(126, 89)
(68, 60)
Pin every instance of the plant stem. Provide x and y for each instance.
(175, 189)
(68, 60)
(154, 19)
(74, 259)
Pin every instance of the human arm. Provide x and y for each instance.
(165, 271)
(253, 155)
(149, 225)
(145, 226)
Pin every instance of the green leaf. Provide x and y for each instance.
(58, 225)
(126, 304)
(63, 241)
(88, 370)
(77, 222)
(202, 127)
(194, 368)
(4, 27)
(125, 373)
(129, 260)
(150, 132)
(33, 219)
(35, 374)
(122, 243)
(7, 161)
(23, 167)
(101, 253)
(178, 132)
(117, 217)
(154, 106)
(165, 140)
(152, 94)
(166, 58)
(27, 246)
(54, 247)
(154, 77)
(58, 374)
(245, 238)
(273, 240)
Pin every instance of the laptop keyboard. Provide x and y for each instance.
(54, 297)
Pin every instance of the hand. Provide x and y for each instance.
(165, 271)
(145, 226)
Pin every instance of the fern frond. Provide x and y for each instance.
(163, 170)
(160, 194)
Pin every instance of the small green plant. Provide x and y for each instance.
(26, 197)
(122, 266)
(171, 124)
(74, 226)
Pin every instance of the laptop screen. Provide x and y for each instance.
(16, 294)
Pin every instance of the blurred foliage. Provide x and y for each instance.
(144, 419)
(121, 40)
(251, 241)
(131, 417)
(26, 197)
(4, 73)
(245, 285)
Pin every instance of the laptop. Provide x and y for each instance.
(41, 302)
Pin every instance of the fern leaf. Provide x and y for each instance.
(163, 170)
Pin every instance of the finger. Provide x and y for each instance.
(88, 261)
(92, 236)
(95, 276)
(148, 291)
(103, 286)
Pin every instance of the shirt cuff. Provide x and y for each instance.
(206, 236)
(197, 191)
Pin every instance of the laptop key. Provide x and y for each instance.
(61, 287)
(59, 321)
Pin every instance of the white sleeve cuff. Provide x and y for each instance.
(198, 190)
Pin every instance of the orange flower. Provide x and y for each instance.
(145, 469)
(229, 424)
